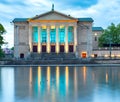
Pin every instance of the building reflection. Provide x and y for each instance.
(67, 78)
(7, 84)
(84, 74)
(75, 82)
(57, 77)
(106, 77)
(39, 78)
(30, 81)
(48, 79)
(56, 83)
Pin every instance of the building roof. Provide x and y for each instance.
(97, 29)
(53, 11)
(85, 19)
(20, 20)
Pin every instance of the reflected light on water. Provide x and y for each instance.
(93, 76)
(57, 77)
(30, 81)
(39, 78)
(84, 74)
(67, 78)
(48, 79)
(59, 84)
(106, 77)
(30, 75)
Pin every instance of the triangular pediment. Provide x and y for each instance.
(53, 15)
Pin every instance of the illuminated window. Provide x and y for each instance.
(70, 34)
(35, 34)
(62, 34)
(43, 35)
(84, 54)
(53, 35)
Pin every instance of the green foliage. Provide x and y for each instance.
(110, 35)
(1, 53)
(12, 48)
(2, 31)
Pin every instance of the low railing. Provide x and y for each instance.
(107, 48)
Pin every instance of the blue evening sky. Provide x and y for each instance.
(102, 11)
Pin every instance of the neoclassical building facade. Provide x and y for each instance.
(53, 32)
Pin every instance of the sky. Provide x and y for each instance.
(103, 12)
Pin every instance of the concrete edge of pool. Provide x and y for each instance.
(87, 65)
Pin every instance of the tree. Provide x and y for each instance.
(110, 35)
(2, 31)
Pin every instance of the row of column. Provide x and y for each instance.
(48, 39)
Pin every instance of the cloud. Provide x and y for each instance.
(102, 11)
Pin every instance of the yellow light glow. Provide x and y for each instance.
(57, 48)
(118, 55)
(66, 48)
(52, 27)
(62, 26)
(106, 77)
(30, 75)
(48, 47)
(39, 77)
(95, 34)
(57, 77)
(48, 78)
(84, 54)
(44, 27)
(92, 55)
(106, 55)
(84, 74)
(112, 55)
(30, 80)
(52, 21)
(67, 78)
(39, 48)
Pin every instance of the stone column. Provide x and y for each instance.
(57, 39)
(30, 38)
(66, 39)
(75, 38)
(39, 45)
(48, 39)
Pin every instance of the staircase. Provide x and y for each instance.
(53, 56)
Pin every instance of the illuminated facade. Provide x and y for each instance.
(52, 32)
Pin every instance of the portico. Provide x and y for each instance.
(53, 36)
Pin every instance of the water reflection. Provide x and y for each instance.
(48, 79)
(67, 78)
(57, 77)
(39, 78)
(75, 83)
(7, 84)
(84, 74)
(59, 84)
